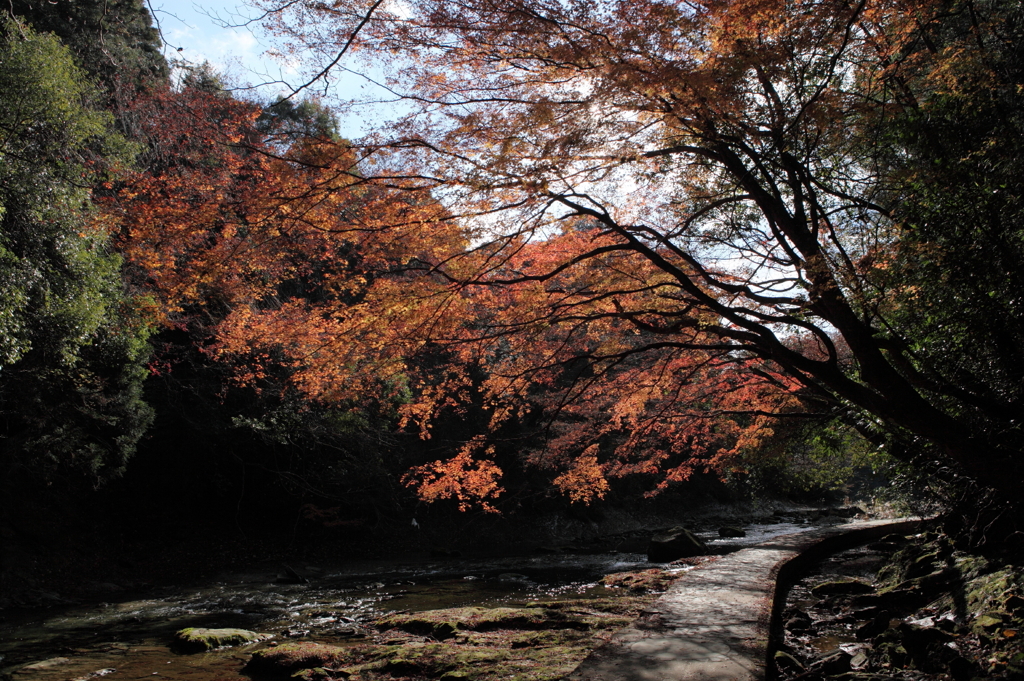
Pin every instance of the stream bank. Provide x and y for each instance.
(908, 607)
(54, 566)
(570, 608)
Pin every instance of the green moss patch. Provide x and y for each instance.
(842, 587)
(197, 640)
(434, 660)
(547, 639)
(288, 658)
(541, 641)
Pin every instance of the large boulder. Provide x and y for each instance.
(673, 544)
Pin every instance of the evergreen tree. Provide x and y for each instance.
(114, 41)
(71, 350)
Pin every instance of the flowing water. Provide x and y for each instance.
(128, 637)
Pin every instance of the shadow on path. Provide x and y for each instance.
(714, 623)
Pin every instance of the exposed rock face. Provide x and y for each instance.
(196, 640)
(936, 612)
(674, 544)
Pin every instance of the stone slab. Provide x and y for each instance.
(714, 623)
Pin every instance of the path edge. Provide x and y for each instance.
(789, 571)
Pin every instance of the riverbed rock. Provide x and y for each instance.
(95, 675)
(43, 665)
(290, 576)
(926, 647)
(642, 581)
(833, 664)
(798, 621)
(291, 657)
(891, 599)
(786, 662)
(320, 674)
(198, 640)
(730, 531)
(873, 627)
(435, 660)
(514, 577)
(842, 587)
(443, 624)
(675, 543)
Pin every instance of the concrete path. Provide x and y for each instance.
(713, 624)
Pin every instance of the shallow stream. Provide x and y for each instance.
(128, 636)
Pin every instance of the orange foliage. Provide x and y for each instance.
(668, 209)
(585, 480)
(293, 257)
(471, 482)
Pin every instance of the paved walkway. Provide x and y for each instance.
(713, 623)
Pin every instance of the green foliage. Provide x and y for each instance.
(203, 78)
(336, 453)
(954, 156)
(70, 346)
(114, 41)
(812, 459)
(307, 119)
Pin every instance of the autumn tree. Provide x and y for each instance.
(236, 205)
(740, 152)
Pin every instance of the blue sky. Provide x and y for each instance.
(198, 28)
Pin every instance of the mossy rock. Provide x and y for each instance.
(971, 567)
(442, 624)
(893, 655)
(989, 591)
(987, 622)
(933, 581)
(197, 640)
(786, 662)
(434, 660)
(546, 663)
(842, 587)
(320, 674)
(546, 639)
(673, 544)
(288, 658)
(644, 581)
(922, 556)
